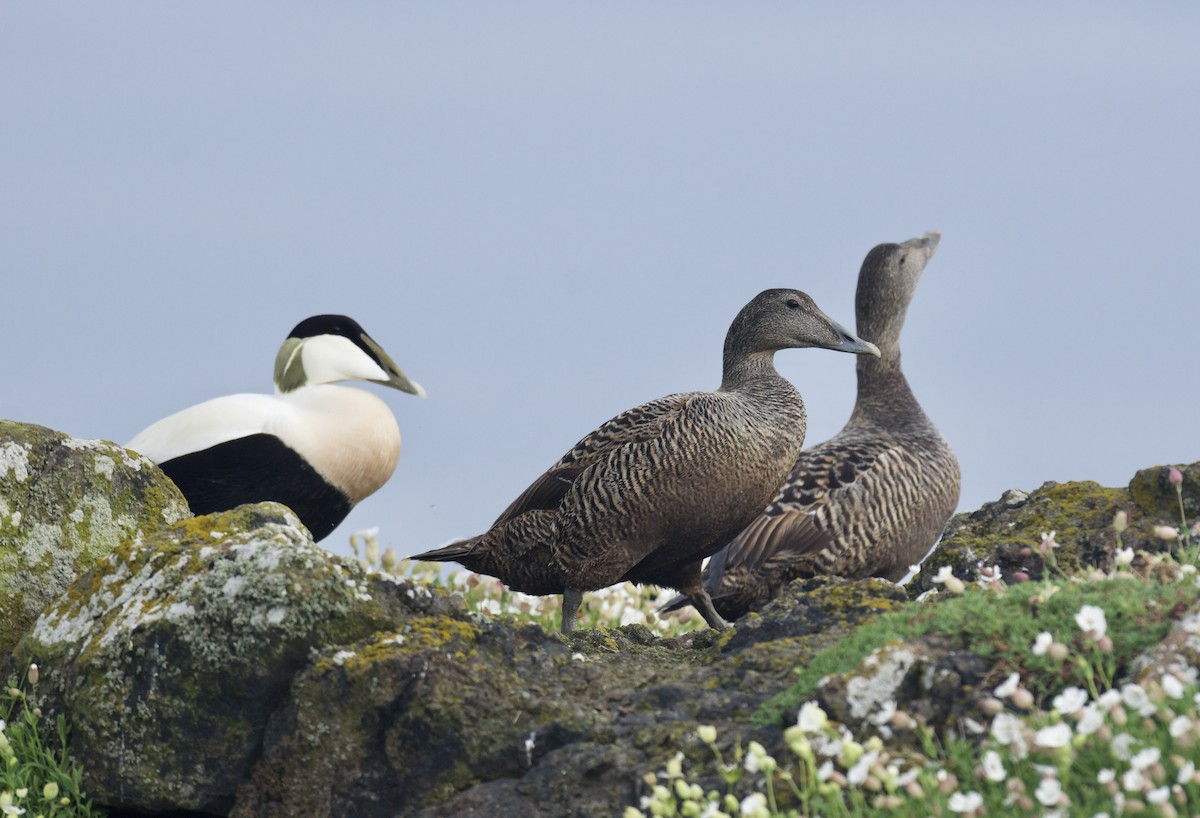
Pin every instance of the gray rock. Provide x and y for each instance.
(65, 503)
(170, 654)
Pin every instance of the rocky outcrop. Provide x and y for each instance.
(1007, 534)
(171, 653)
(450, 717)
(65, 503)
(225, 665)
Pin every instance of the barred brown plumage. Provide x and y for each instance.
(873, 499)
(652, 492)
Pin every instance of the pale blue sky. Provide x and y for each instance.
(549, 212)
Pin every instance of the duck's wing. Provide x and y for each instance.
(207, 424)
(825, 487)
(632, 427)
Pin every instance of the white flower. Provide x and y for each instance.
(1070, 700)
(1186, 771)
(489, 606)
(945, 576)
(1179, 726)
(1091, 620)
(1124, 556)
(754, 805)
(812, 718)
(1122, 746)
(1172, 686)
(1090, 720)
(1135, 698)
(1145, 758)
(1006, 730)
(857, 774)
(965, 802)
(1008, 687)
(1106, 776)
(993, 766)
(1049, 792)
(1056, 735)
(1110, 699)
(755, 753)
(1159, 796)
(1133, 780)
(1042, 643)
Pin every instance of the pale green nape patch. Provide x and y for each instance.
(289, 366)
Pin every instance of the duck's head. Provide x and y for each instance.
(331, 348)
(789, 319)
(886, 285)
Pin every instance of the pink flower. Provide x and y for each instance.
(1174, 476)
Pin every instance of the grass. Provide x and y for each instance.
(37, 776)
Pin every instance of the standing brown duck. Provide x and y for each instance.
(652, 492)
(869, 502)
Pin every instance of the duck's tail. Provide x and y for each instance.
(454, 552)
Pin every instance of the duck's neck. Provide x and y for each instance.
(742, 368)
(884, 395)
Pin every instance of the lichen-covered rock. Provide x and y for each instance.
(446, 716)
(1155, 495)
(1007, 534)
(65, 503)
(933, 678)
(170, 654)
(1177, 655)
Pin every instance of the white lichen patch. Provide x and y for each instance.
(868, 692)
(104, 466)
(14, 457)
(342, 656)
(110, 452)
(232, 586)
(276, 615)
(76, 516)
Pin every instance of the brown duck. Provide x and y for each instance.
(652, 492)
(869, 502)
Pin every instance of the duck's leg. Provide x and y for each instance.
(702, 602)
(571, 600)
(687, 580)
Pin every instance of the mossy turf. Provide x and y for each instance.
(1001, 628)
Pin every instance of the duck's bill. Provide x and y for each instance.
(849, 342)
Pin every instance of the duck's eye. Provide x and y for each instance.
(793, 304)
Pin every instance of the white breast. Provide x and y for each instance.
(348, 435)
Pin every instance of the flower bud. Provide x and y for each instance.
(1165, 532)
(1174, 476)
(1120, 521)
(389, 560)
(34, 674)
(1021, 698)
